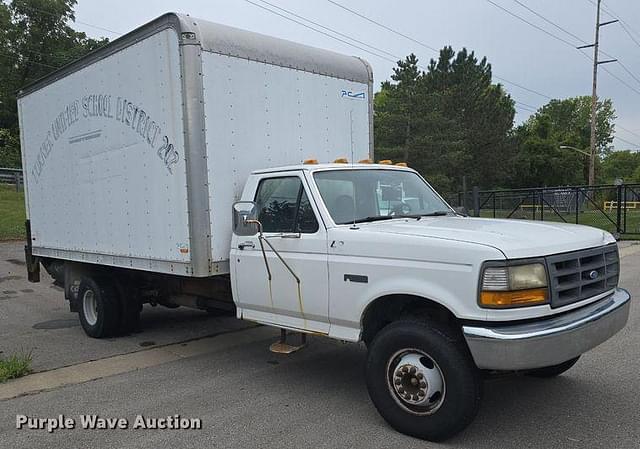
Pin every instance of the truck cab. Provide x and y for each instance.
(371, 252)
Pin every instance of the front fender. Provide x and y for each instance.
(453, 286)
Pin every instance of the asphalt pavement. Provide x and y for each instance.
(246, 396)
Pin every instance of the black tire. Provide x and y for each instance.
(554, 370)
(106, 318)
(130, 309)
(459, 401)
(130, 320)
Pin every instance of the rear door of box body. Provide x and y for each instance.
(103, 152)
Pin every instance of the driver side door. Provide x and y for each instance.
(292, 227)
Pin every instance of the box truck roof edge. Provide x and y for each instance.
(195, 37)
(225, 40)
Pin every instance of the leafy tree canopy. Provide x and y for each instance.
(623, 165)
(539, 160)
(451, 120)
(446, 121)
(35, 39)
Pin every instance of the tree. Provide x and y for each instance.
(35, 39)
(636, 175)
(446, 122)
(620, 165)
(540, 161)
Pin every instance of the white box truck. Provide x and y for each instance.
(170, 167)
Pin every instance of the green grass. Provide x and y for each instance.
(12, 214)
(593, 218)
(14, 366)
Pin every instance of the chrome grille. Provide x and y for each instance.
(582, 274)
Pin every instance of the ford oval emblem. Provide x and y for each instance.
(593, 274)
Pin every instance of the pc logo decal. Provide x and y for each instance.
(352, 95)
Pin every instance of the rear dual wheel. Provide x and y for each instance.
(103, 310)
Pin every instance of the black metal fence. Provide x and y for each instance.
(615, 208)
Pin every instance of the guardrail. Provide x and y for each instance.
(12, 176)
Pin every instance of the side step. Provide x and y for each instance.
(289, 342)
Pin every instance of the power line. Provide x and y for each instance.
(624, 67)
(528, 89)
(626, 30)
(619, 79)
(519, 105)
(520, 108)
(531, 24)
(422, 44)
(320, 31)
(533, 108)
(49, 13)
(627, 142)
(524, 106)
(633, 35)
(382, 25)
(564, 30)
(607, 9)
(330, 29)
(629, 131)
(7, 55)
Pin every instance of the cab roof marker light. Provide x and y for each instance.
(310, 162)
(341, 160)
(385, 162)
(400, 164)
(364, 161)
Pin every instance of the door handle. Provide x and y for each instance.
(246, 245)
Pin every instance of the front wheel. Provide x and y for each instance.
(422, 380)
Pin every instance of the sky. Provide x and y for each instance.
(518, 52)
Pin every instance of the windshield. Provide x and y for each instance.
(376, 194)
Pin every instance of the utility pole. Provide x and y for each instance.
(594, 95)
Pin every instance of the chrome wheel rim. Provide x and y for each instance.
(90, 307)
(416, 381)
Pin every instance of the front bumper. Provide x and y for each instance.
(549, 341)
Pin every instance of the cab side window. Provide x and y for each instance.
(284, 206)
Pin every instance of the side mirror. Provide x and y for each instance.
(245, 216)
(461, 210)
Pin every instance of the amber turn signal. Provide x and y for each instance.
(500, 299)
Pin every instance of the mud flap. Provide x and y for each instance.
(33, 262)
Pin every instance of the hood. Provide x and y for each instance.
(514, 238)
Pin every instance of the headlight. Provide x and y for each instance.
(514, 286)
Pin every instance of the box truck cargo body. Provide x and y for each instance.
(134, 154)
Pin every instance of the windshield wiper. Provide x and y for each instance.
(438, 213)
(376, 218)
